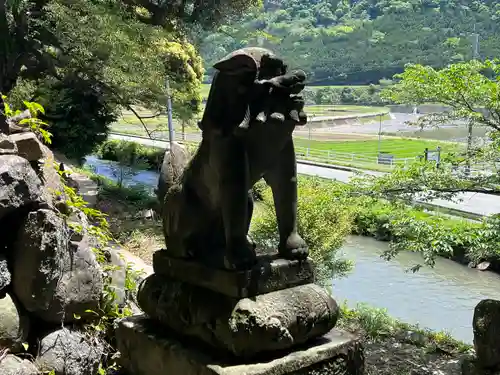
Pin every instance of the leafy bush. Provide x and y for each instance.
(131, 153)
(324, 221)
(137, 194)
(363, 95)
(411, 229)
(79, 114)
(258, 190)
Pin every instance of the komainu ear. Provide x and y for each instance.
(236, 63)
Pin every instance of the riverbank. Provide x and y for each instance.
(406, 228)
(391, 347)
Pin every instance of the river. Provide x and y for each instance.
(439, 298)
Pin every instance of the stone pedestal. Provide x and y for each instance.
(271, 319)
(147, 349)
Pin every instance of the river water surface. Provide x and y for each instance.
(440, 298)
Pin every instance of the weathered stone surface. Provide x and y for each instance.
(69, 352)
(19, 184)
(28, 146)
(486, 326)
(268, 322)
(12, 365)
(7, 145)
(5, 276)
(56, 274)
(171, 168)
(270, 274)
(146, 350)
(14, 325)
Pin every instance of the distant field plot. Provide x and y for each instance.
(341, 110)
(445, 134)
(128, 123)
(398, 147)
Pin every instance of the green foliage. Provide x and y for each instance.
(470, 90)
(33, 122)
(324, 221)
(82, 59)
(410, 229)
(98, 228)
(361, 95)
(376, 324)
(138, 194)
(79, 114)
(131, 153)
(363, 41)
(258, 190)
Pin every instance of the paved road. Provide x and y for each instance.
(479, 204)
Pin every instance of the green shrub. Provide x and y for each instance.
(79, 114)
(364, 95)
(131, 153)
(411, 229)
(258, 190)
(324, 221)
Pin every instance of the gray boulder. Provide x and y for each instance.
(486, 326)
(19, 184)
(14, 325)
(12, 365)
(28, 146)
(69, 352)
(5, 277)
(172, 168)
(56, 274)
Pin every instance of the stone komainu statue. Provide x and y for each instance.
(247, 126)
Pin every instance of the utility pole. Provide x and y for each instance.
(475, 44)
(169, 113)
(379, 133)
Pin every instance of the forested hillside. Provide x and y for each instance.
(362, 41)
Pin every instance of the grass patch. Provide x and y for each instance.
(392, 347)
(339, 110)
(399, 147)
(376, 324)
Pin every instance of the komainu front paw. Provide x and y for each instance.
(240, 254)
(294, 248)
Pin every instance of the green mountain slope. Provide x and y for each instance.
(362, 41)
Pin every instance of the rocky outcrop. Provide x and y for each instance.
(56, 275)
(20, 187)
(14, 324)
(12, 365)
(69, 352)
(49, 273)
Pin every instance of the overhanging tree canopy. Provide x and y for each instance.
(126, 47)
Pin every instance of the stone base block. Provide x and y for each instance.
(244, 327)
(147, 350)
(270, 274)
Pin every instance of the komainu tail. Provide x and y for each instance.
(174, 162)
